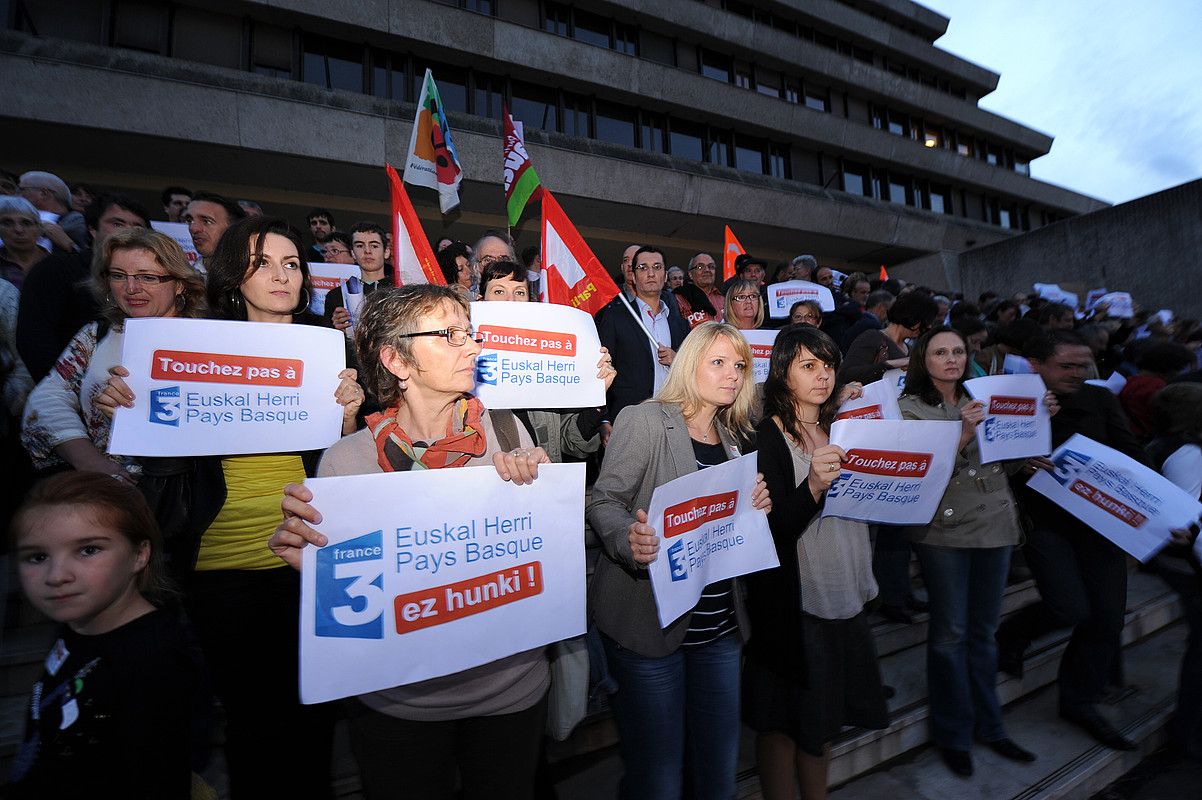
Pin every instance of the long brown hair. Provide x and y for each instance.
(778, 397)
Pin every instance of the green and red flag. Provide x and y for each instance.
(432, 161)
(522, 185)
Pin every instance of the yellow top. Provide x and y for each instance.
(254, 486)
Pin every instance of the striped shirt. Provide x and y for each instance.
(714, 615)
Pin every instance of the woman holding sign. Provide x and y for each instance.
(483, 725)
(678, 686)
(811, 665)
(965, 555)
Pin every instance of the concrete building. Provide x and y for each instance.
(834, 127)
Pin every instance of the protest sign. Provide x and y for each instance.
(895, 472)
(895, 378)
(1054, 294)
(1016, 365)
(1017, 423)
(1131, 505)
(761, 342)
(537, 355)
(879, 401)
(1093, 296)
(431, 572)
(325, 278)
(1118, 305)
(1114, 384)
(708, 532)
(203, 387)
(782, 296)
(182, 236)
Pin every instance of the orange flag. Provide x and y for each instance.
(731, 249)
(413, 260)
(884, 274)
(572, 275)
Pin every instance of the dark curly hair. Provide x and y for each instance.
(230, 265)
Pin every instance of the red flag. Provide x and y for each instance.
(521, 182)
(731, 249)
(413, 260)
(884, 275)
(572, 275)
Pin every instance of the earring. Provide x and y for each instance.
(402, 384)
(305, 305)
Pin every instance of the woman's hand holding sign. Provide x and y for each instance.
(116, 392)
(349, 395)
(825, 464)
(970, 417)
(293, 533)
(605, 368)
(644, 544)
(520, 466)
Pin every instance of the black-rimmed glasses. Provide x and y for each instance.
(456, 337)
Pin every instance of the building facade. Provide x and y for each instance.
(834, 127)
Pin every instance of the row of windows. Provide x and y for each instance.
(932, 135)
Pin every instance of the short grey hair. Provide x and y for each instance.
(49, 181)
(807, 260)
(500, 237)
(12, 204)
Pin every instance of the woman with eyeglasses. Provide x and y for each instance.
(744, 306)
(136, 273)
(874, 353)
(483, 725)
(217, 513)
(806, 312)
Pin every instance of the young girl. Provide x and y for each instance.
(112, 714)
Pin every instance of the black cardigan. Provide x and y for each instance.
(774, 595)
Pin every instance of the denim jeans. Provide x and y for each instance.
(678, 714)
(965, 586)
(891, 564)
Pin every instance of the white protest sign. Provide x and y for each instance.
(1093, 296)
(709, 532)
(1114, 383)
(761, 343)
(537, 355)
(182, 236)
(782, 296)
(443, 570)
(1016, 365)
(1131, 505)
(1054, 294)
(325, 278)
(1017, 423)
(203, 387)
(879, 401)
(895, 472)
(895, 378)
(1118, 305)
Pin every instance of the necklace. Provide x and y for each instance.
(806, 421)
(704, 437)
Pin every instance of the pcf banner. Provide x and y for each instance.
(204, 387)
(432, 572)
(782, 296)
(537, 355)
(1017, 423)
(761, 342)
(1131, 505)
(879, 401)
(325, 278)
(895, 472)
(708, 532)
(182, 236)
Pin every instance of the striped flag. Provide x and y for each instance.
(572, 275)
(413, 260)
(522, 185)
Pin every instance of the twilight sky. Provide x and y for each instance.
(1117, 83)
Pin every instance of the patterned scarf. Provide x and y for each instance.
(465, 440)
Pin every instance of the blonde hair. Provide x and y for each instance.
(751, 287)
(680, 388)
(169, 255)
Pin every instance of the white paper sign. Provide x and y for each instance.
(1114, 383)
(1016, 365)
(708, 532)
(1128, 503)
(444, 570)
(761, 342)
(879, 401)
(1118, 305)
(782, 296)
(1054, 294)
(1093, 296)
(325, 278)
(1016, 424)
(537, 355)
(182, 236)
(896, 378)
(895, 472)
(203, 387)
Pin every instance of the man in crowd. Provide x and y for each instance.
(50, 195)
(251, 208)
(492, 246)
(82, 196)
(57, 299)
(703, 272)
(207, 217)
(1081, 575)
(371, 252)
(175, 202)
(1056, 317)
(876, 311)
(321, 225)
(339, 249)
(624, 266)
(802, 268)
(750, 268)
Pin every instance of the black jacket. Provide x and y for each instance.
(56, 301)
(631, 351)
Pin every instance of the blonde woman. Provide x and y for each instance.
(744, 306)
(677, 704)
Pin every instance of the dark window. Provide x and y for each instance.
(626, 39)
(855, 179)
(486, 95)
(719, 148)
(271, 50)
(714, 65)
(652, 134)
(749, 155)
(940, 200)
(576, 111)
(742, 75)
(556, 18)
(479, 6)
(899, 125)
(1004, 217)
(140, 26)
(615, 124)
(792, 91)
(535, 106)
(1022, 167)
(778, 162)
(993, 155)
(451, 83)
(590, 28)
(659, 49)
(877, 116)
(767, 81)
(860, 54)
(333, 64)
(381, 75)
(899, 191)
(686, 140)
(818, 99)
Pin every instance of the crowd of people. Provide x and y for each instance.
(176, 580)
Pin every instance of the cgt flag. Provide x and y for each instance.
(731, 249)
(432, 161)
(411, 253)
(572, 275)
(522, 185)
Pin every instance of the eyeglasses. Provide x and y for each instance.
(745, 298)
(456, 337)
(643, 268)
(484, 261)
(336, 251)
(702, 265)
(140, 278)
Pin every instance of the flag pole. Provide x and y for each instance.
(639, 320)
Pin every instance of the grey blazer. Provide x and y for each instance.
(649, 447)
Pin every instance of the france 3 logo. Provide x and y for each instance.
(165, 406)
(486, 369)
(676, 562)
(1068, 465)
(990, 426)
(350, 588)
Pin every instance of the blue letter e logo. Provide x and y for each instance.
(165, 406)
(350, 588)
(676, 562)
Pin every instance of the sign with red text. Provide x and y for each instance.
(457, 569)
(879, 401)
(708, 531)
(761, 342)
(182, 236)
(203, 387)
(1017, 423)
(782, 296)
(895, 472)
(1131, 505)
(325, 278)
(537, 355)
